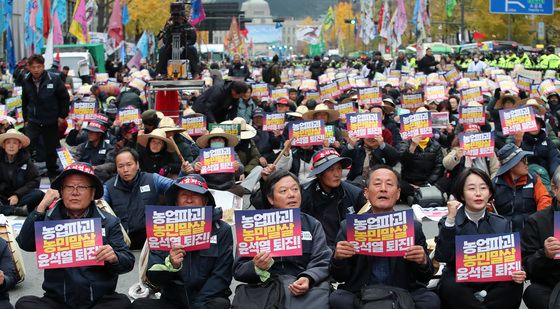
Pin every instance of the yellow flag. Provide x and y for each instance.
(78, 27)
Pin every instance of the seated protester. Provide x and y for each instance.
(19, 178)
(282, 105)
(329, 117)
(100, 96)
(539, 248)
(388, 107)
(97, 151)
(468, 216)
(544, 151)
(157, 154)
(193, 279)
(8, 274)
(76, 135)
(455, 162)
(218, 138)
(74, 192)
(130, 191)
(327, 198)
(126, 136)
(304, 278)
(246, 105)
(384, 109)
(519, 193)
(503, 101)
(187, 147)
(246, 149)
(421, 161)
(150, 120)
(411, 272)
(130, 96)
(298, 160)
(265, 141)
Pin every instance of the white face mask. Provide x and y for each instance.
(217, 144)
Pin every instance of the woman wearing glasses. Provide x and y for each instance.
(519, 193)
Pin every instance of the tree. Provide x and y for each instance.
(150, 15)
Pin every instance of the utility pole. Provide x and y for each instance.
(463, 22)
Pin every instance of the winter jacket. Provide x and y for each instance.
(239, 70)
(18, 177)
(217, 103)
(45, 105)
(223, 181)
(266, 142)
(130, 98)
(422, 166)
(81, 287)
(189, 150)
(163, 162)
(102, 157)
(427, 64)
(544, 151)
(356, 271)
(8, 267)
(248, 154)
(245, 109)
(387, 155)
(204, 274)
(317, 69)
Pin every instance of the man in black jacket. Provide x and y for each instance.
(428, 63)
(410, 272)
(219, 102)
(45, 105)
(366, 153)
(87, 286)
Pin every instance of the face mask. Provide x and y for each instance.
(475, 59)
(217, 144)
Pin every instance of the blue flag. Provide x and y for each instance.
(125, 15)
(3, 20)
(142, 45)
(60, 7)
(39, 40)
(28, 40)
(11, 55)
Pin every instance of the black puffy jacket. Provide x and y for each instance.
(422, 166)
(18, 177)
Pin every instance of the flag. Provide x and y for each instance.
(123, 54)
(135, 61)
(3, 20)
(308, 34)
(28, 39)
(450, 6)
(478, 36)
(328, 22)
(142, 45)
(91, 12)
(78, 27)
(401, 19)
(46, 18)
(39, 41)
(11, 55)
(115, 29)
(233, 41)
(197, 12)
(385, 20)
(60, 7)
(49, 51)
(125, 15)
(58, 39)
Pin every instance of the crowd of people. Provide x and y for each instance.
(153, 161)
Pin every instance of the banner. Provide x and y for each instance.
(435, 93)
(189, 227)
(195, 125)
(217, 160)
(364, 125)
(85, 110)
(369, 96)
(440, 120)
(276, 94)
(232, 128)
(344, 109)
(127, 115)
(389, 234)
(329, 91)
(472, 115)
(487, 258)
(477, 144)
(65, 157)
(308, 85)
(417, 124)
(471, 95)
(277, 231)
(274, 121)
(518, 120)
(412, 101)
(307, 133)
(68, 243)
(260, 90)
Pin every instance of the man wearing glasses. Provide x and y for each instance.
(519, 193)
(72, 196)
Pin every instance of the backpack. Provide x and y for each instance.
(268, 294)
(385, 297)
(267, 74)
(429, 197)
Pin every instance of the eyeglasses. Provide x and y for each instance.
(79, 189)
(525, 160)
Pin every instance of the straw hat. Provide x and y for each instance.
(247, 131)
(13, 133)
(168, 125)
(300, 110)
(190, 112)
(204, 140)
(537, 104)
(322, 108)
(158, 134)
(500, 102)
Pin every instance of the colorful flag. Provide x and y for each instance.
(197, 12)
(78, 27)
(115, 29)
(328, 22)
(125, 14)
(91, 12)
(58, 39)
(142, 45)
(233, 41)
(450, 6)
(28, 39)
(46, 18)
(10, 51)
(60, 7)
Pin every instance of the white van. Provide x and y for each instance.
(80, 62)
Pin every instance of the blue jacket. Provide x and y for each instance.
(81, 287)
(7, 266)
(204, 275)
(544, 151)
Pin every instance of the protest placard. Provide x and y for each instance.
(329, 134)
(557, 230)
(189, 227)
(343, 84)
(195, 124)
(508, 85)
(524, 83)
(127, 115)
(230, 128)
(477, 144)
(434, 93)
(3, 112)
(101, 78)
(19, 115)
(463, 83)
(472, 115)
(471, 95)
(217, 160)
(440, 120)
(308, 85)
(416, 124)
(85, 110)
(13, 103)
(487, 258)
(260, 90)
(324, 79)
(276, 94)
(313, 95)
(364, 125)
(64, 156)
(329, 91)
(412, 101)
(388, 234)
(307, 133)
(518, 120)
(274, 121)
(452, 75)
(369, 96)
(345, 108)
(547, 87)
(68, 243)
(277, 231)
(359, 82)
